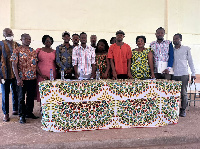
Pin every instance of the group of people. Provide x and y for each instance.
(23, 68)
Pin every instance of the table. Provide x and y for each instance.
(103, 104)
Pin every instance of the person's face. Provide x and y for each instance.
(101, 46)
(83, 38)
(119, 37)
(160, 33)
(66, 38)
(48, 42)
(75, 39)
(8, 33)
(113, 41)
(26, 40)
(140, 43)
(176, 40)
(93, 39)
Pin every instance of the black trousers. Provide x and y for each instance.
(28, 89)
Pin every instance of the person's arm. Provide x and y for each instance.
(170, 60)
(39, 73)
(15, 70)
(129, 69)
(1, 74)
(93, 62)
(113, 68)
(150, 60)
(191, 64)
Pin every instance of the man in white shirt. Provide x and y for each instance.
(182, 56)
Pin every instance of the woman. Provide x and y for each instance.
(142, 60)
(102, 61)
(46, 61)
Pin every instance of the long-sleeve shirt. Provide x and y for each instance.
(183, 57)
(162, 52)
(84, 58)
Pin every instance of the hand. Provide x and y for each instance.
(166, 71)
(114, 75)
(44, 77)
(20, 82)
(130, 75)
(193, 78)
(69, 71)
(152, 76)
(0, 80)
(76, 76)
(105, 75)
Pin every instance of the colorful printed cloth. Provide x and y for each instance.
(84, 58)
(6, 51)
(26, 58)
(101, 63)
(140, 66)
(64, 57)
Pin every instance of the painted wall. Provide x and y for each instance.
(103, 18)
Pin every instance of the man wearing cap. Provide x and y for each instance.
(120, 55)
(6, 49)
(64, 56)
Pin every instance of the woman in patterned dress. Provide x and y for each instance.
(102, 61)
(142, 60)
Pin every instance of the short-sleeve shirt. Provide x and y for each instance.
(120, 56)
(26, 59)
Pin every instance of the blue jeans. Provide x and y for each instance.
(5, 95)
(28, 89)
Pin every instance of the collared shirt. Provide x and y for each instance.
(120, 54)
(162, 52)
(64, 57)
(182, 56)
(26, 58)
(6, 51)
(84, 58)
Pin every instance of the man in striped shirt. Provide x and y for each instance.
(83, 58)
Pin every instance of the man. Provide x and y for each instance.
(24, 61)
(113, 40)
(162, 52)
(120, 55)
(83, 58)
(6, 49)
(182, 56)
(93, 40)
(64, 56)
(75, 40)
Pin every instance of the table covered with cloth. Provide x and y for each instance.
(103, 104)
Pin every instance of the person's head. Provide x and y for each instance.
(83, 38)
(26, 39)
(75, 39)
(119, 36)
(113, 40)
(102, 46)
(93, 39)
(160, 33)
(177, 39)
(66, 37)
(8, 34)
(140, 41)
(47, 40)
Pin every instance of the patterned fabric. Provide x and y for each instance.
(140, 68)
(26, 58)
(104, 104)
(84, 58)
(64, 57)
(101, 63)
(162, 52)
(6, 51)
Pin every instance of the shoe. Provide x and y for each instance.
(15, 113)
(6, 118)
(182, 113)
(32, 116)
(22, 119)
